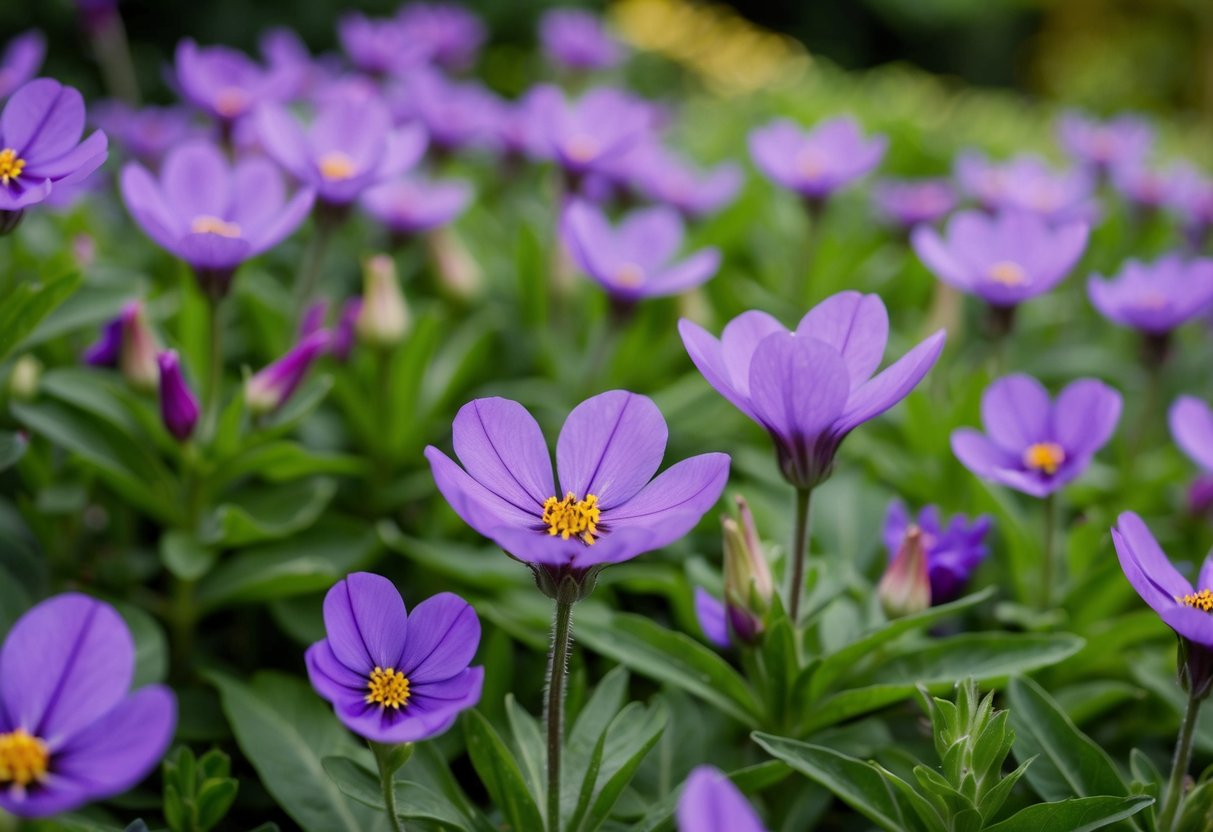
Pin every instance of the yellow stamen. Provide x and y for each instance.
(23, 758)
(581, 148)
(335, 166)
(1044, 456)
(1007, 273)
(10, 165)
(206, 224)
(570, 516)
(629, 275)
(1202, 600)
(388, 688)
(231, 102)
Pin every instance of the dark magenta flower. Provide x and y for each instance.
(40, 146)
(212, 214)
(395, 677)
(953, 551)
(811, 387)
(379, 47)
(711, 803)
(455, 114)
(146, 134)
(604, 508)
(270, 387)
(1103, 145)
(20, 61)
(634, 260)
(661, 176)
(1033, 444)
(1026, 183)
(1003, 259)
(582, 136)
(1191, 422)
(228, 84)
(349, 146)
(128, 344)
(71, 731)
(1157, 297)
(817, 162)
(411, 205)
(179, 409)
(450, 34)
(575, 39)
(912, 202)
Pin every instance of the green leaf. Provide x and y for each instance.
(12, 448)
(267, 513)
(500, 774)
(1079, 815)
(982, 656)
(530, 744)
(284, 460)
(215, 797)
(185, 556)
(28, 304)
(413, 801)
(285, 730)
(1069, 763)
(630, 736)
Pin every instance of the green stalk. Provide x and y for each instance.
(1168, 817)
(1047, 569)
(387, 768)
(558, 668)
(313, 263)
(800, 553)
(214, 370)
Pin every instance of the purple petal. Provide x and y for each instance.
(891, 385)
(610, 446)
(711, 803)
(73, 165)
(284, 140)
(1137, 547)
(213, 251)
(1191, 422)
(366, 623)
(43, 120)
(1191, 623)
(196, 181)
(854, 324)
(259, 195)
(330, 678)
(673, 503)
(444, 633)
(981, 456)
(739, 340)
(688, 274)
(287, 221)
(476, 505)
(937, 256)
(708, 357)
(651, 236)
(1015, 412)
(798, 386)
(502, 447)
(712, 618)
(146, 204)
(423, 717)
(1085, 416)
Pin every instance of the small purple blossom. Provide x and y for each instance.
(392, 676)
(1104, 145)
(1034, 444)
(1191, 199)
(40, 145)
(818, 162)
(1145, 188)
(713, 619)
(227, 84)
(179, 409)
(576, 40)
(71, 731)
(1026, 183)
(582, 136)
(127, 343)
(1157, 297)
(211, 214)
(811, 387)
(450, 34)
(271, 387)
(379, 47)
(610, 447)
(1004, 259)
(20, 61)
(411, 205)
(1191, 422)
(953, 551)
(909, 203)
(147, 133)
(634, 260)
(661, 176)
(711, 803)
(456, 114)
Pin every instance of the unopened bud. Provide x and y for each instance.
(905, 588)
(269, 388)
(178, 405)
(23, 380)
(137, 358)
(457, 269)
(383, 319)
(748, 586)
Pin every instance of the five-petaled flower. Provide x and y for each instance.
(1157, 297)
(818, 162)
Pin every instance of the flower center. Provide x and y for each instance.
(1202, 600)
(335, 166)
(231, 102)
(629, 275)
(10, 165)
(1044, 456)
(810, 163)
(570, 516)
(1007, 273)
(23, 758)
(388, 688)
(206, 224)
(581, 148)
(1152, 300)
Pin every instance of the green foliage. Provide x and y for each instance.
(197, 791)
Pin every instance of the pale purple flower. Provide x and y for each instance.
(1191, 422)
(284, 51)
(636, 259)
(345, 332)
(604, 510)
(954, 551)
(582, 136)
(1026, 183)
(1003, 259)
(411, 204)
(909, 203)
(227, 84)
(1157, 297)
(1191, 199)
(379, 46)
(179, 409)
(818, 162)
(811, 387)
(393, 676)
(1104, 145)
(272, 386)
(711, 803)
(1144, 187)
(1033, 444)
(146, 133)
(455, 114)
(20, 61)
(71, 730)
(661, 176)
(575, 39)
(450, 34)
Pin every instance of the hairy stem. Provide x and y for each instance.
(383, 755)
(558, 668)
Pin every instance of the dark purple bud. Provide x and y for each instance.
(178, 405)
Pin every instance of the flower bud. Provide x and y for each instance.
(270, 388)
(313, 318)
(748, 586)
(905, 588)
(344, 333)
(137, 357)
(1200, 495)
(178, 405)
(23, 380)
(457, 269)
(384, 317)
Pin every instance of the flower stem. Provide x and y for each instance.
(800, 552)
(1168, 817)
(387, 768)
(313, 262)
(558, 668)
(214, 369)
(1047, 566)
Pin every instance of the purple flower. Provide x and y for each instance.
(411, 205)
(713, 618)
(818, 162)
(285, 52)
(394, 677)
(575, 39)
(953, 552)
(127, 342)
(1200, 495)
(634, 260)
(711, 803)
(269, 388)
(1191, 198)
(20, 61)
(147, 133)
(228, 84)
(1103, 145)
(344, 333)
(1004, 259)
(313, 318)
(1026, 183)
(212, 215)
(583, 135)
(1035, 445)
(1144, 187)
(1157, 297)
(40, 146)
(811, 387)
(178, 405)
(662, 176)
(450, 34)
(610, 447)
(456, 115)
(349, 146)
(379, 46)
(1191, 422)
(70, 730)
(913, 202)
